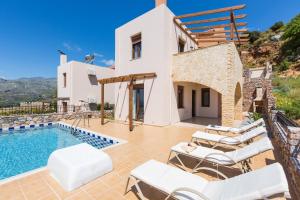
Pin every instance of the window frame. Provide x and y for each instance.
(135, 40)
(203, 102)
(180, 96)
(65, 79)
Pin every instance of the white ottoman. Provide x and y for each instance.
(77, 165)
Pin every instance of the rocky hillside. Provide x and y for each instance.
(12, 92)
(279, 45)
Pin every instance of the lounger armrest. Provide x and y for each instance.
(186, 189)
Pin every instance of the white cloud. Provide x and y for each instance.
(108, 62)
(98, 55)
(71, 47)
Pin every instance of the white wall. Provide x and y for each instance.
(81, 86)
(159, 43)
(186, 112)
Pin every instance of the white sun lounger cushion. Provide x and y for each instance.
(236, 156)
(230, 140)
(236, 130)
(77, 165)
(272, 180)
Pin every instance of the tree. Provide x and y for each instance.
(291, 47)
(253, 36)
(277, 26)
(292, 30)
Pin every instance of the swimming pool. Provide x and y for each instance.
(28, 149)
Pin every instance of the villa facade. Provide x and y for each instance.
(77, 84)
(190, 81)
(193, 79)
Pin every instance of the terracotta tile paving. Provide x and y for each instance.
(144, 143)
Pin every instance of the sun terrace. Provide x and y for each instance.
(131, 160)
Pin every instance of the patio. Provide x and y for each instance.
(144, 143)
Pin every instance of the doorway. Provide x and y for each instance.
(138, 102)
(193, 103)
(65, 107)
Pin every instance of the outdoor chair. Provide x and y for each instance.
(263, 183)
(240, 130)
(216, 140)
(239, 157)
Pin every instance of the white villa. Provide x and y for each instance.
(77, 84)
(194, 79)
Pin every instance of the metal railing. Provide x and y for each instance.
(46, 109)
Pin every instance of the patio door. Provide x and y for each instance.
(138, 102)
(65, 107)
(193, 103)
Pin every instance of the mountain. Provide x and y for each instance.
(12, 92)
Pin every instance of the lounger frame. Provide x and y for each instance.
(172, 194)
(142, 197)
(243, 165)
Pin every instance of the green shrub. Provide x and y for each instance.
(287, 93)
(256, 116)
(277, 26)
(284, 65)
(253, 36)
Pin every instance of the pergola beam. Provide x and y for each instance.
(210, 33)
(215, 26)
(233, 18)
(130, 108)
(102, 104)
(211, 11)
(219, 36)
(213, 20)
(184, 30)
(127, 78)
(221, 40)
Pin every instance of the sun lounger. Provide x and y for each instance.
(235, 130)
(215, 139)
(258, 184)
(218, 158)
(77, 165)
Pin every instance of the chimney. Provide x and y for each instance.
(63, 57)
(159, 2)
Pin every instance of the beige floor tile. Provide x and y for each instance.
(144, 143)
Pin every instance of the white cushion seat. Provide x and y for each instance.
(258, 184)
(77, 165)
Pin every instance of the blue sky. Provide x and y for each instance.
(32, 30)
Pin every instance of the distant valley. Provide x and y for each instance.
(12, 92)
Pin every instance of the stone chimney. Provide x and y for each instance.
(63, 57)
(159, 2)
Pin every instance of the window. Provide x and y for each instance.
(181, 45)
(205, 94)
(136, 46)
(180, 90)
(65, 79)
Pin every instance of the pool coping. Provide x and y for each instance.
(50, 124)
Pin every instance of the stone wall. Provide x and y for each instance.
(286, 140)
(17, 120)
(218, 67)
(249, 91)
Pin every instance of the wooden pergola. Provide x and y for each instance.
(210, 30)
(131, 78)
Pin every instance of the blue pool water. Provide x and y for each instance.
(22, 151)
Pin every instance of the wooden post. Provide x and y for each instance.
(130, 105)
(102, 104)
